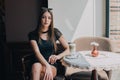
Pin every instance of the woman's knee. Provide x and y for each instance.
(54, 71)
(36, 67)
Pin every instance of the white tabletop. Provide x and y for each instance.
(83, 59)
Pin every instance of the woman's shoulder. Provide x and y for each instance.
(32, 32)
(32, 35)
(57, 33)
(56, 30)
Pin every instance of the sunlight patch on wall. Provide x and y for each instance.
(74, 18)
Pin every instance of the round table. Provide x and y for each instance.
(105, 60)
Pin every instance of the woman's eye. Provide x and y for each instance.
(45, 17)
(49, 17)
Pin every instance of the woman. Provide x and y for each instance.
(43, 41)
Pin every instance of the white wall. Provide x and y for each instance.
(77, 18)
(73, 17)
(100, 13)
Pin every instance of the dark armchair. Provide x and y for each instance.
(27, 64)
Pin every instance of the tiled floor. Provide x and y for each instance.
(115, 75)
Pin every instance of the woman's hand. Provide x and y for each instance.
(53, 59)
(48, 73)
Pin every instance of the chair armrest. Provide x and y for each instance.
(26, 60)
(27, 57)
(26, 65)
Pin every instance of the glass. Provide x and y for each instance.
(72, 47)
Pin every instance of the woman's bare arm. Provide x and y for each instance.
(37, 53)
(64, 43)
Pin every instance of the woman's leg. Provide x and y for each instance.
(36, 70)
(54, 71)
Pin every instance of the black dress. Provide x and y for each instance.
(45, 46)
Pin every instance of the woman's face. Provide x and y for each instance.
(46, 19)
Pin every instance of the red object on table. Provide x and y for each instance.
(94, 52)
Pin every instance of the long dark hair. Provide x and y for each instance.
(51, 27)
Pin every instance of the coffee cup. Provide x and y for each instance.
(72, 47)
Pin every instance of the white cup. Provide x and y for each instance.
(72, 47)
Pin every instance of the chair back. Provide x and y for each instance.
(84, 43)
